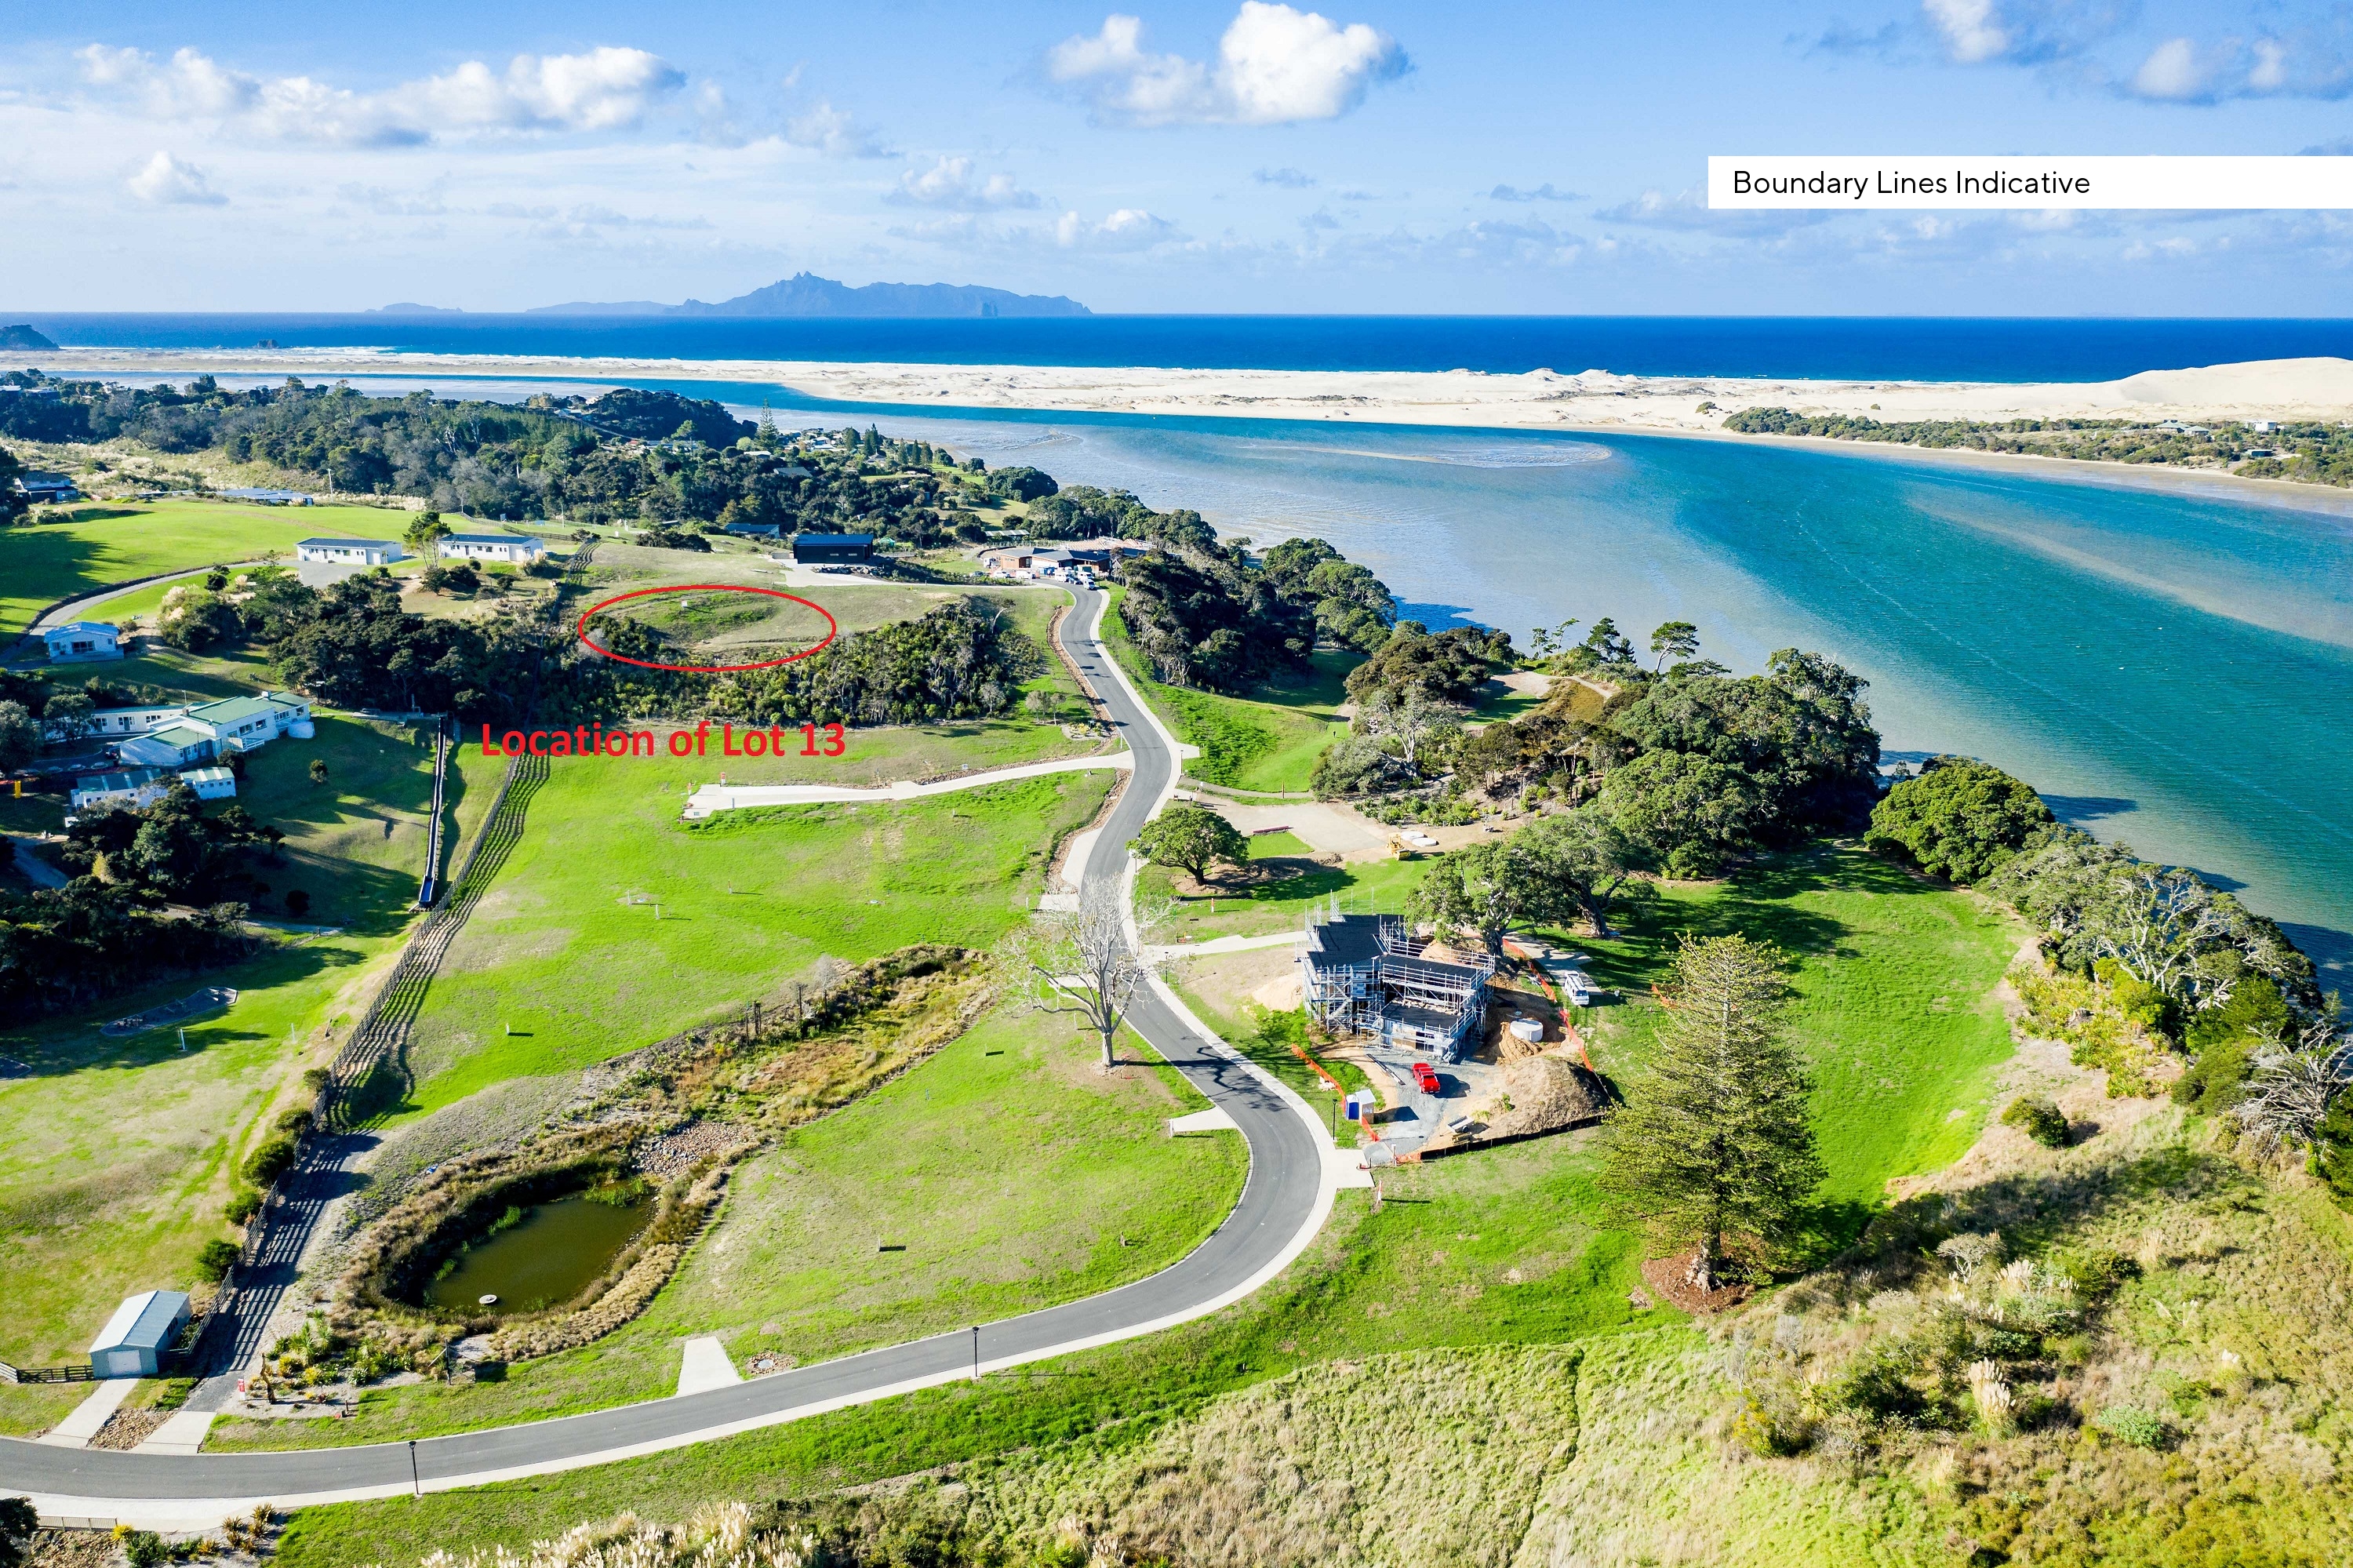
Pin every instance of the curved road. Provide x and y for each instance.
(1283, 1204)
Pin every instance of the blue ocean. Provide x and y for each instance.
(2170, 661)
(1900, 348)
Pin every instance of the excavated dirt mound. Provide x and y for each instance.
(1546, 1093)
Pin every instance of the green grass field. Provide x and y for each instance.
(117, 1156)
(1465, 1252)
(559, 954)
(137, 539)
(1259, 909)
(1501, 1247)
(1265, 743)
(1892, 1002)
(1011, 1173)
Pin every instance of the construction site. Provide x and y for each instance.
(1371, 974)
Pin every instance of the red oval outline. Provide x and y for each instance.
(833, 628)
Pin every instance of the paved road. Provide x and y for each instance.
(1284, 1202)
(20, 647)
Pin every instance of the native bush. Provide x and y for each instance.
(2037, 1116)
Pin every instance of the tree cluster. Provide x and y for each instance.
(1207, 621)
(173, 849)
(2311, 450)
(69, 947)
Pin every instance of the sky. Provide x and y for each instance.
(1354, 155)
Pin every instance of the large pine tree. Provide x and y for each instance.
(1715, 1152)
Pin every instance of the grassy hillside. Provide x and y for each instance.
(115, 542)
(1010, 1174)
(117, 1154)
(564, 963)
(1893, 1006)
(1266, 742)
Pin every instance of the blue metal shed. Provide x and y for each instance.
(133, 1341)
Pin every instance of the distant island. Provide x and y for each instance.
(806, 294)
(410, 308)
(22, 336)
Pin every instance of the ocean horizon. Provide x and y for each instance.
(1896, 348)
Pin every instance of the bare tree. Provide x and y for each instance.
(2289, 1089)
(1080, 963)
(1415, 721)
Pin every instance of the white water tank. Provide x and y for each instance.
(1526, 1029)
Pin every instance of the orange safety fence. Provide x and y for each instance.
(1544, 981)
(1333, 1084)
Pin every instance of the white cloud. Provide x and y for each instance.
(2270, 71)
(1688, 211)
(167, 181)
(1289, 179)
(1276, 66)
(1540, 192)
(2172, 70)
(1129, 229)
(605, 88)
(1972, 29)
(825, 129)
(949, 183)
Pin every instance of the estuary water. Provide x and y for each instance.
(2170, 664)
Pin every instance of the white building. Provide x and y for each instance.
(2262, 427)
(211, 783)
(80, 641)
(350, 552)
(140, 787)
(518, 548)
(120, 724)
(210, 730)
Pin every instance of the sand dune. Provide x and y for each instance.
(1592, 400)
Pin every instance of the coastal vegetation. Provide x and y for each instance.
(2311, 450)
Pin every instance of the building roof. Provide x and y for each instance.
(864, 540)
(143, 1322)
(1350, 942)
(489, 539)
(259, 492)
(71, 626)
(345, 545)
(181, 735)
(233, 710)
(206, 775)
(110, 782)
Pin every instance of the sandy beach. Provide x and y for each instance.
(1591, 399)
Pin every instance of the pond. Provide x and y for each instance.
(551, 1253)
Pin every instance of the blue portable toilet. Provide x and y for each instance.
(133, 1341)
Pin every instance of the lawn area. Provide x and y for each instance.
(1011, 1173)
(356, 843)
(1259, 909)
(564, 963)
(116, 1156)
(1893, 1005)
(1893, 980)
(137, 539)
(1266, 742)
(1489, 1250)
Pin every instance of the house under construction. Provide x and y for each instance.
(1365, 974)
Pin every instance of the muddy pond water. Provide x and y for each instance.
(548, 1256)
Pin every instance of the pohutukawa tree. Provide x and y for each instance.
(1192, 837)
(1715, 1153)
(1080, 962)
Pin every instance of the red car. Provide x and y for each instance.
(1426, 1078)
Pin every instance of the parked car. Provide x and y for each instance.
(1426, 1077)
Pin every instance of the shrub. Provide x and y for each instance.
(243, 1205)
(2039, 1118)
(2130, 1424)
(142, 1548)
(215, 1259)
(272, 1160)
(1959, 820)
(298, 902)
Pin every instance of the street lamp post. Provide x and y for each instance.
(417, 1484)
